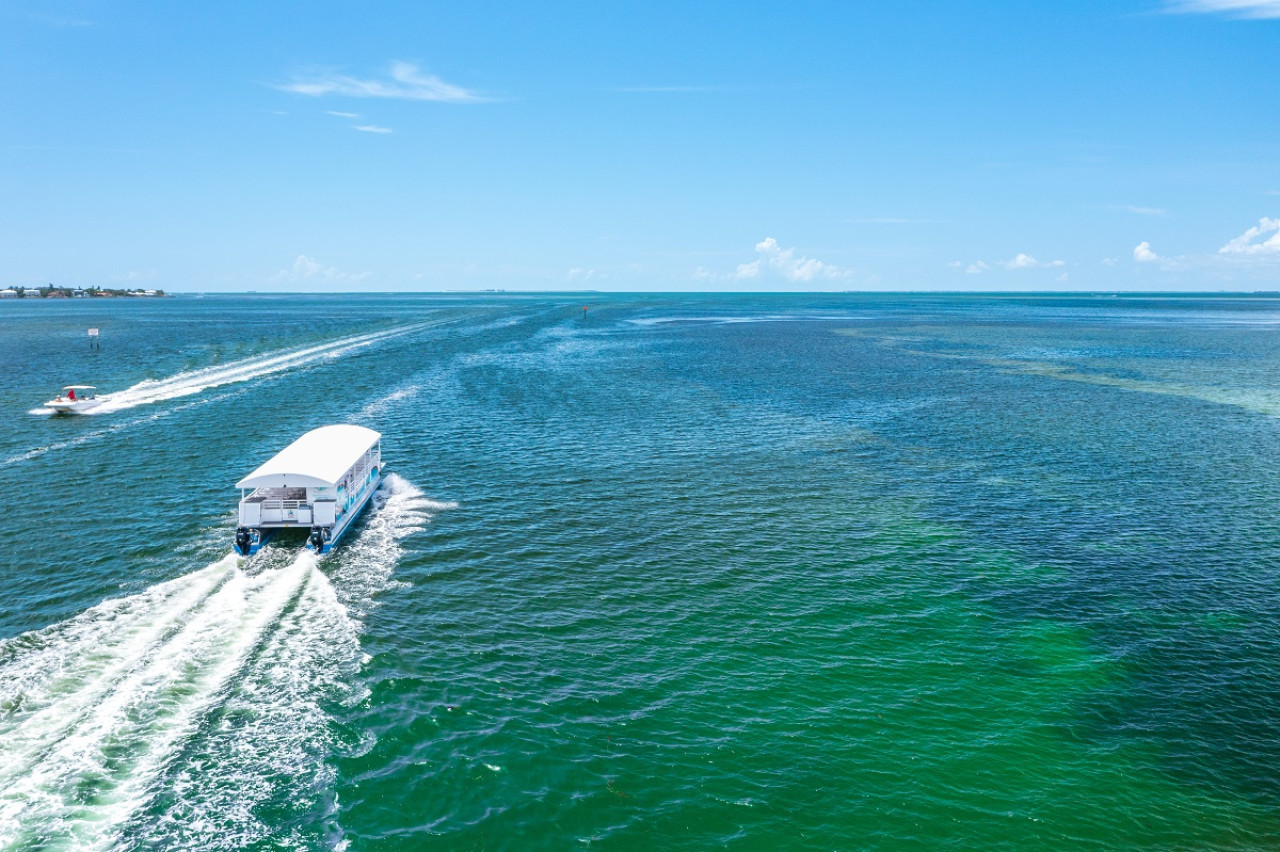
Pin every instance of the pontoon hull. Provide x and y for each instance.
(249, 540)
(319, 483)
(324, 539)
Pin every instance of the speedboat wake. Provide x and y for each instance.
(243, 370)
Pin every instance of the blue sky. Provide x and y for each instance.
(1129, 144)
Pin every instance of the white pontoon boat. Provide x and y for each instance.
(74, 399)
(320, 481)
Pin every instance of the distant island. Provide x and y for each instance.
(50, 292)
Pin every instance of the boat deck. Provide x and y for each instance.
(262, 495)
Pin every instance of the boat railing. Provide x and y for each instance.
(277, 498)
(356, 478)
(282, 504)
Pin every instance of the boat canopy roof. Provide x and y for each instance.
(316, 460)
(78, 387)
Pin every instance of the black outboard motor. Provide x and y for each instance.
(244, 541)
(319, 535)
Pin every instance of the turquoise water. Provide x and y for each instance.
(678, 573)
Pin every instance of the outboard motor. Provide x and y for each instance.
(244, 541)
(319, 535)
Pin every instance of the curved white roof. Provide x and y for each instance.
(318, 459)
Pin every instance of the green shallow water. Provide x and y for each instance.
(681, 572)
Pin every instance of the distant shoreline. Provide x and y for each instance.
(51, 292)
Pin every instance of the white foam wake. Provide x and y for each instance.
(80, 768)
(245, 369)
(196, 713)
(194, 381)
(116, 426)
(393, 400)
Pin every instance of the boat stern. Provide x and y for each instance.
(248, 540)
(320, 540)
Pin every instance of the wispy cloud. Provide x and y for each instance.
(309, 270)
(343, 114)
(1141, 211)
(134, 276)
(373, 128)
(55, 21)
(1249, 243)
(1232, 8)
(405, 81)
(894, 220)
(665, 89)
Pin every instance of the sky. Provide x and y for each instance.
(640, 146)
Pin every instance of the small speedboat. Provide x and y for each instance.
(74, 399)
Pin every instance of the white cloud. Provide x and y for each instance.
(1143, 254)
(1026, 261)
(343, 114)
(405, 82)
(310, 270)
(580, 274)
(1233, 8)
(774, 260)
(1249, 253)
(1019, 261)
(373, 128)
(1248, 243)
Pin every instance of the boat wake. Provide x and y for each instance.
(246, 369)
(116, 426)
(195, 714)
(395, 399)
(195, 381)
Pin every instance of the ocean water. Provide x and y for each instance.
(825, 572)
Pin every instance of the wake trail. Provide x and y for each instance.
(192, 382)
(116, 741)
(177, 717)
(269, 746)
(246, 369)
(48, 681)
(87, 437)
